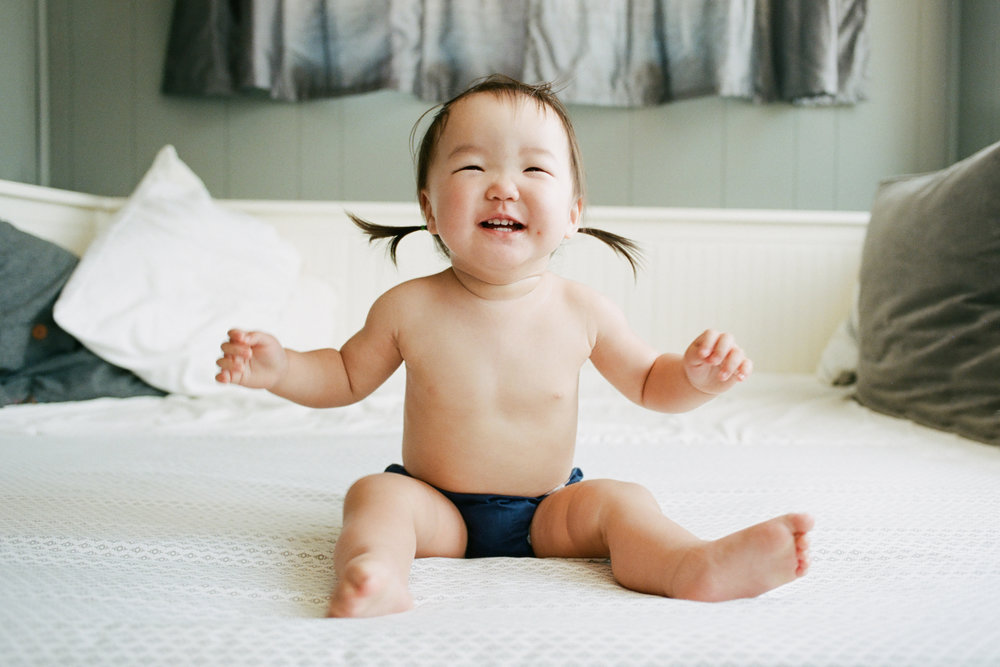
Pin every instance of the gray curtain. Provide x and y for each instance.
(601, 52)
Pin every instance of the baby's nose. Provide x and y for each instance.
(502, 188)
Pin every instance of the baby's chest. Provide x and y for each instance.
(543, 356)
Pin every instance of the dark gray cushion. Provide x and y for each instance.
(929, 300)
(39, 361)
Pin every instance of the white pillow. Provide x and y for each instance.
(157, 290)
(309, 320)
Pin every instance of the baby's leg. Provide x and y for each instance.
(652, 554)
(388, 520)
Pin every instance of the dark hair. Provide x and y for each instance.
(499, 86)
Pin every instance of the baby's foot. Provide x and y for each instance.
(746, 563)
(368, 587)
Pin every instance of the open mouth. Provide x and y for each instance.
(502, 225)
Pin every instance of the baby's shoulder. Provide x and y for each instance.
(415, 287)
(409, 292)
(580, 294)
(598, 309)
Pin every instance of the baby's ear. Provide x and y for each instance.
(575, 217)
(428, 212)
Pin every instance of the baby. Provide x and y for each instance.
(493, 347)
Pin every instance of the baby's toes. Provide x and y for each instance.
(802, 554)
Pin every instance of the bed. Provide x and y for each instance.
(195, 525)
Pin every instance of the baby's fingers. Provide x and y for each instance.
(723, 349)
(238, 335)
(236, 354)
(735, 365)
(713, 346)
(701, 347)
(240, 350)
(231, 369)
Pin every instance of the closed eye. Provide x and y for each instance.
(536, 169)
(469, 167)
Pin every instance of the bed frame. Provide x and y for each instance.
(780, 281)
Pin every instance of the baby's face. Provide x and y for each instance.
(500, 190)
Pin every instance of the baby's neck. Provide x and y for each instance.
(491, 291)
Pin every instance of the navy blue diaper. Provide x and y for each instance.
(497, 525)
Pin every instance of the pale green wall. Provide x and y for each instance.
(979, 99)
(18, 91)
(108, 119)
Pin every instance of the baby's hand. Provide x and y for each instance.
(251, 359)
(714, 363)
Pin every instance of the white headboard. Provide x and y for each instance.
(780, 281)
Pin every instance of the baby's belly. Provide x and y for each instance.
(487, 451)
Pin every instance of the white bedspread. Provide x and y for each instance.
(176, 531)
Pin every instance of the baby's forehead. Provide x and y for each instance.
(515, 100)
(469, 114)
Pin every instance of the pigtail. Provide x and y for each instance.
(625, 247)
(381, 232)
(394, 232)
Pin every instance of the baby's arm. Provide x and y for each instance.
(319, 378)
(712, 364)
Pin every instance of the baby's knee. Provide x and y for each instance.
(623, 495)
(369, 486)
(636, 494)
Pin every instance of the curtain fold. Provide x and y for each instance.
(601, 52)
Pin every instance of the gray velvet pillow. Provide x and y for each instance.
(929, 300)
(39, 361)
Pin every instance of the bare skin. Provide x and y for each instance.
(493, 348)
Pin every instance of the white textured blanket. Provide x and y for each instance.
(175, 531)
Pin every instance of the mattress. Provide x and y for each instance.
(200, 531)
